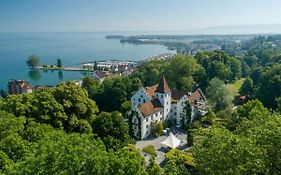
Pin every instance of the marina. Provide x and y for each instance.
(15, 48)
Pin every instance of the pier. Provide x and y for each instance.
(66, 68)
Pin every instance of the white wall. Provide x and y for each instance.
(177, 110)
(165, 100)
(140, 94)
(147, 122)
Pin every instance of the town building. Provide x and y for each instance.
(100, 75)
(19, 87)
(158, 103)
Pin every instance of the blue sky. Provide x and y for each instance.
(133, 15)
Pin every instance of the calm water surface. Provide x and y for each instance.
(72, 48)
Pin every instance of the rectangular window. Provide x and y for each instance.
(143, 100)
(139, 99)
(147, 119)
(161, 96)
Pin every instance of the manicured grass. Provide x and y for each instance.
(234, 87)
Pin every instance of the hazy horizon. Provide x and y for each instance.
(158, 16)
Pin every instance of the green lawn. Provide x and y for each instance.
(234, 87)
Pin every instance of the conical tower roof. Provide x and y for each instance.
(163, 86)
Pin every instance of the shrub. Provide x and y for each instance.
(150, 150)
(158, 129)
(196, 124)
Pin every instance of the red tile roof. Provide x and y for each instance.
(176, 94)
(196, 96)
(151, 90)
(149, 108)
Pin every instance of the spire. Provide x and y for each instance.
(163, 86)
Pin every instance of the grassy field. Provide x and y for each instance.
(234, 87)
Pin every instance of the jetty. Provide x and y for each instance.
(64, 68)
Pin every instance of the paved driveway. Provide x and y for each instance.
(161, 149)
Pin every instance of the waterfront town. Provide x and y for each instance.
(99, 70)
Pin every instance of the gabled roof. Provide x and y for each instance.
(177, 94)
(195, 96)
(151, 107)
(163, 86)
(198, 100)
(151, 90)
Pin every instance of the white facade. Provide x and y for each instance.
(168, 112)
(144, 128)
(152, 105)
(140, 97)
(177, 110)
(149, 121)
(158, 104)
(165, 100)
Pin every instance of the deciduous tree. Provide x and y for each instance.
(33, 61)
(218, 95)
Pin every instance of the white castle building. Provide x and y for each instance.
(159, 103)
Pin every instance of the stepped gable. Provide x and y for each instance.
(163, 86)
(151, 107)
(151, 90)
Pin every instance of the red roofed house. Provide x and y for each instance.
(159, 103)
(19, 87)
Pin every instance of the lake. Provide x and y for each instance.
(72, 48)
